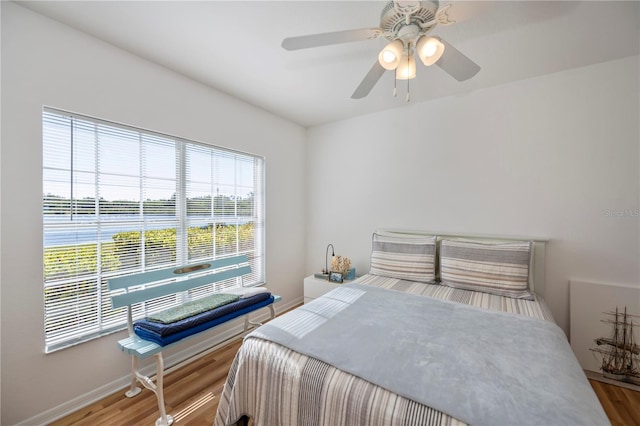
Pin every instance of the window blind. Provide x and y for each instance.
(119, 200)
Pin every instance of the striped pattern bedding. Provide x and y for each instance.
(536, 308)
(404, 258)
(277, 386)
(498, 268)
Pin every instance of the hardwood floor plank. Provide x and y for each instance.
(621, 405)
(191, 396)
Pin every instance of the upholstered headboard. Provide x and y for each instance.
(536, 276)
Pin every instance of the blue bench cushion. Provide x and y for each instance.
(192, 308)
(165, 334)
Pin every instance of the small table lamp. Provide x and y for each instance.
(326, 258)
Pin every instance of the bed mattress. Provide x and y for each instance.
(276, 385)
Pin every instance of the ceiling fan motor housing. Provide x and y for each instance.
(392, 22)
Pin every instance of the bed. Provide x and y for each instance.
(443, 330)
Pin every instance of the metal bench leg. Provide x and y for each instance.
(248, 323)
(157, 387)
(273, 311)
(164, 419)
(133, 389)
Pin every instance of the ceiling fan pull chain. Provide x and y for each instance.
(408, 79)
(408, 95)
(395, 86)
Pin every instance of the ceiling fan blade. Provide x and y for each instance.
(369, 81)
(325, 39)
(456, 63)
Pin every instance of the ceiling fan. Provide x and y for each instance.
(406, 25)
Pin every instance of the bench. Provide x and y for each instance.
(132, 289)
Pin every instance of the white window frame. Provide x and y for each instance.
(68, 320)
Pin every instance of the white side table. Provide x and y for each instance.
(316, 287)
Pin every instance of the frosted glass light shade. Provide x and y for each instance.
(389, 57)
(429, 49)
(407, 68)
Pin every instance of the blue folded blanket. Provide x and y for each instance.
(165, 334)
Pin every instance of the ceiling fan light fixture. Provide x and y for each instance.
(407, 68)
(389, 57)
(429, 49)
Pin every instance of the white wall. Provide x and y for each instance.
(45, 63)
(555, 156)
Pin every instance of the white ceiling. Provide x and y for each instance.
(234, 46)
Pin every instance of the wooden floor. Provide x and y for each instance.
(191, 396)
(621, 405)
(192, 392)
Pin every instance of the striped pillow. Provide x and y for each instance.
(405, 258)
(496, 268)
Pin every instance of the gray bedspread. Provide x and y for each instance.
(484, 368)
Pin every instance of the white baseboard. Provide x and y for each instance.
(171, 363)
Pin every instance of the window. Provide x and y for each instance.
(119, 200)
